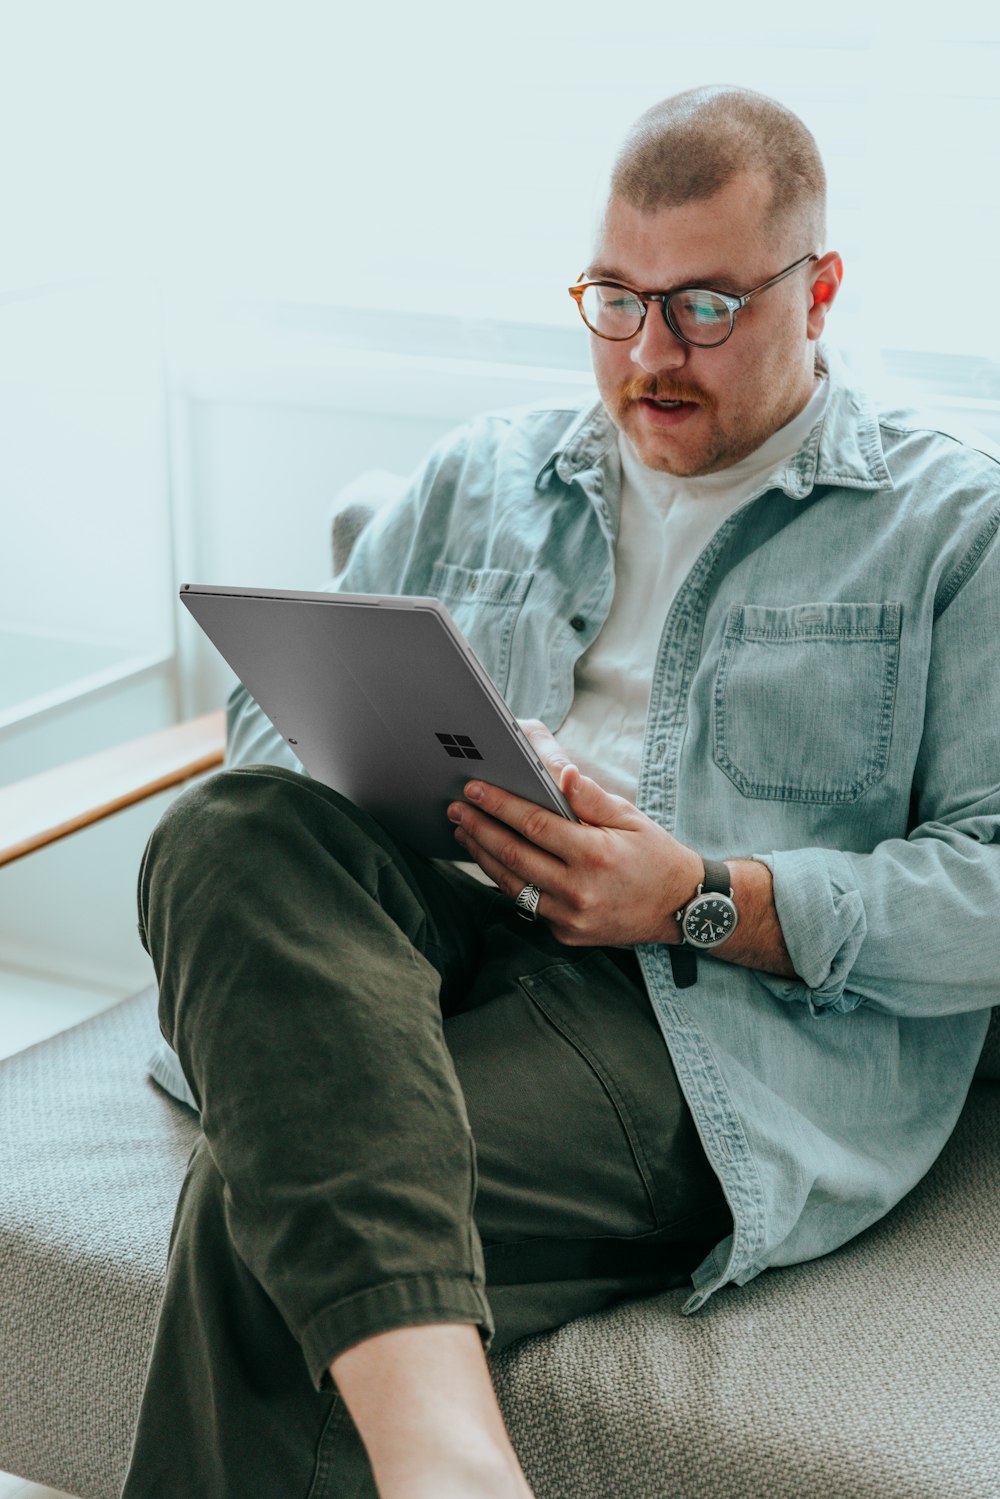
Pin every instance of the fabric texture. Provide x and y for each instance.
(92, 1155)
(870, 1373)
(812, 668)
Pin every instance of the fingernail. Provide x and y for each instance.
(474, 791)
(455, 812)
(461, 836)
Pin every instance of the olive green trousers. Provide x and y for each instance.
(416, 1107)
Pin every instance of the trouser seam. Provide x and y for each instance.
(336, 1415)
(605, 1075)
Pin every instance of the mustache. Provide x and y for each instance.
(646, 387)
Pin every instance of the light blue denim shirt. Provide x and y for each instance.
(826, 699)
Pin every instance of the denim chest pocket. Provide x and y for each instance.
(804, 699)
(485, 603)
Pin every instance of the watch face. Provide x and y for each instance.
(709, 920)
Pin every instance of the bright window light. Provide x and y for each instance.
(448, 157)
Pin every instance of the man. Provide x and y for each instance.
(744, 1013)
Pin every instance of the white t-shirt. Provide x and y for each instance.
(666, 522)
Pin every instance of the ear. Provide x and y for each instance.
(827, 274)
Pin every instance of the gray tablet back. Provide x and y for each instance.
(381, 698)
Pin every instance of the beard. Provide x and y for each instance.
(715, 446)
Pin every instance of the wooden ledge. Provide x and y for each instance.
(43, 808)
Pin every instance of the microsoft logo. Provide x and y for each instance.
(459, 746)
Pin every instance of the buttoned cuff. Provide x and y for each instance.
(823, 922)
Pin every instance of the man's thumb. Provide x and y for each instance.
(590, 802)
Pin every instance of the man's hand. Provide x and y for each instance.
(612, 880)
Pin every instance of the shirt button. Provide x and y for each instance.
(578, 622)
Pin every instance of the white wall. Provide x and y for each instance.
(449, 154)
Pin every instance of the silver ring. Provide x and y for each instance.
(526, 904)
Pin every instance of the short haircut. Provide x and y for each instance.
(691, 145)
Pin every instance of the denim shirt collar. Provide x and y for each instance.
(844, 449)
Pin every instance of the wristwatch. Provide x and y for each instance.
(706, 921)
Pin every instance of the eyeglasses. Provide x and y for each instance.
(694, 313)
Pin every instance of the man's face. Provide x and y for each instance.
(736, 395)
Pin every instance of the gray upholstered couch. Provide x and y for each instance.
(873, 1373)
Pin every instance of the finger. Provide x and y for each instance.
(521, 859)
(595, 806)
(510, 881)
(536, 825)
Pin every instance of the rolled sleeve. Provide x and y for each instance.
(822, 917)
(908, 929)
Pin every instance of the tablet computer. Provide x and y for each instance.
(380, 697)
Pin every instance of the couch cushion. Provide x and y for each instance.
(871, 1372)
(92, 1156)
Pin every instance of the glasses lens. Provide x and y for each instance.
(611, 311)
(701, 317)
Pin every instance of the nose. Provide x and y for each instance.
(656, 345)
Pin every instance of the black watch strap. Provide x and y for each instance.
(684, 959)
(717, 878)
(684, 963)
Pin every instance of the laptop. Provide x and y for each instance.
(380, 697)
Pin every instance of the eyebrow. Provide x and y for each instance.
(720, 281)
